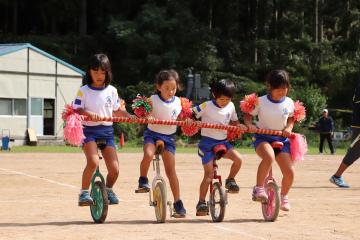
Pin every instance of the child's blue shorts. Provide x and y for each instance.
(206, 146)
(152, 137)
(92, 133)
(259, 138)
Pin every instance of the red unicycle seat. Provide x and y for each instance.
(219, 150)
(277, 144)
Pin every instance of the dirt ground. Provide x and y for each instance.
(39, 194)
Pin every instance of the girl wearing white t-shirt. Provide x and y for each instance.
(220, 110)
(99, 99)
(165, 106)
(274, 111)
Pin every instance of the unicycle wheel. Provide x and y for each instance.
(159, 196)
(270, 209)
(100, 207)
(217, 202)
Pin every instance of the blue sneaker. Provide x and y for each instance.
(144, 185)
(85, 199)
(113, 199)
(179, 209)
(339, 181)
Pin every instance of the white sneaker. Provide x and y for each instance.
(285, 205)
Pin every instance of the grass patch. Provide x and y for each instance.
(138, 149)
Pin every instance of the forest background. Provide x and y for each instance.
(316, 41)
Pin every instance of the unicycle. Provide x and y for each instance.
(218, 195)
(157, 195)
(270, 209)
(99, 208)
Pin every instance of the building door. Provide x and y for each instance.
(49, 110)
(36, 116)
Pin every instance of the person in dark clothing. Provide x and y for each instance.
(353, 152)
(325, 126)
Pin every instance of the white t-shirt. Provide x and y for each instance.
(210, 112)
(164, 110)
(272, 114)
(100, 101)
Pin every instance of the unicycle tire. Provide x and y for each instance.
(217, 202)
(270, 209)
(101, 203)
(159, 196)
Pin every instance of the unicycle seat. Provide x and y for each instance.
(277, 146)
(159, 147)
(219, 151)
(101, 143)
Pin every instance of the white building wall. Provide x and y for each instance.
(16, 124)
(42, 86)
(15, 61)
(63, 70)
(13, 85)
(40, 63)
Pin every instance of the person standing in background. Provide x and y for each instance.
(325, 126)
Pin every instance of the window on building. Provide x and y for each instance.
(19, 106)
(36, 106)
(5, 106)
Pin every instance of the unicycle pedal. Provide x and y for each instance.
(142, 190)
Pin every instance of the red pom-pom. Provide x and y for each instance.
(299, 111)
(141, 106)
(249, 103)
(298, 147)
(186, 108)
(233, 135)
(189, 130)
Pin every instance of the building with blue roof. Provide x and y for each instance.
(35, 86)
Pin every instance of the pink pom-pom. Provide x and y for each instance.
(189, 130)
(298, 147)
(67, 111)
(299, 111)
(249, 103)
(186, 108)
(73, 130)
(233, 135)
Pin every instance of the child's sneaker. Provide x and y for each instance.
(179, 210)
(339, 181)
(85, 199)
(113, 199)
(202, 209)
(285, 205)
(144, 185)
(231, 185)
(259, 194)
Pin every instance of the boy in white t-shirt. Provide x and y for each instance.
(220, 110)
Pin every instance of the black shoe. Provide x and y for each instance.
(179, 210)
(202, 209)
(231, 185)
(143, 185)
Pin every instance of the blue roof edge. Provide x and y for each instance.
(20, 46)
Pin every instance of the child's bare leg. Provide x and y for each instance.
(92, 161)
(234, 156)
(112, 164)
(169, 164)
(288, 171)
(208, 176)
(266, 153)
(149, 151)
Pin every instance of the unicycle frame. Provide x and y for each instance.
(216, 182)
(98, 181)
(270, 209)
